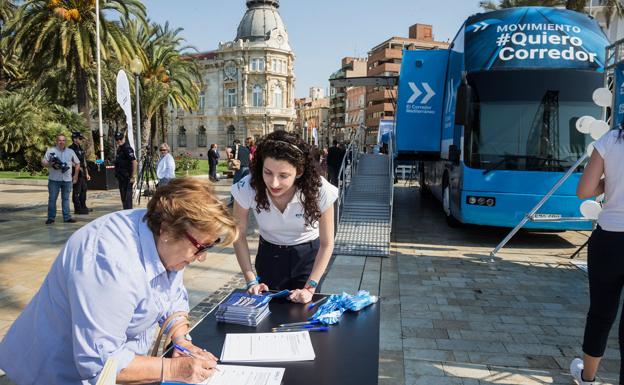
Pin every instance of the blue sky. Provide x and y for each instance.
(321, 32)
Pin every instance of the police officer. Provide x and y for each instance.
(79, 191)
(125, 170)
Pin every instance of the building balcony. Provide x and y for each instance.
(228, 111)
(381, 107)
(383, 68)
(385, 54)
(382, 95)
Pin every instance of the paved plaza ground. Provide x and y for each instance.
(450, 313)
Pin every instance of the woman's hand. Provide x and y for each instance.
(196, 351)
(189, 370)
(301, 295)
(257, 289)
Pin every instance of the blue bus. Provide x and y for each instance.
(492, 120)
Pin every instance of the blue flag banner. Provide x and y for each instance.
(419, 106)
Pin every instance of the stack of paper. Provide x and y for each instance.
(267, 347)
(108, 375)
(244, 309)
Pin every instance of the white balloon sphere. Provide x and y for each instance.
(598, 128)
(590, 149)
(590, 209)
(583, 123)
(602, 97)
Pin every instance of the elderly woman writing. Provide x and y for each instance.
(114, 283)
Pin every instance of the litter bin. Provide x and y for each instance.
(102, 177)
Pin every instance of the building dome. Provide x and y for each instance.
(261, 18)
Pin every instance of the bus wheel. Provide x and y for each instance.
(446, 204)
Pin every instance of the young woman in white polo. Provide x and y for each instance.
(293, 206)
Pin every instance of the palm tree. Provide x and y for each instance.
(7, 9)
(51, 33)
(168, 76)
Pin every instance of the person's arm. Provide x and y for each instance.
(45, 161)
(170, 166)
(326, 238)
(76, 163)
(590, 184)
(148, 370)
(241, 248)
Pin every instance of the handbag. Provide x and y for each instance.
(172, 330)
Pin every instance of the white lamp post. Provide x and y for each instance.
(136, 66)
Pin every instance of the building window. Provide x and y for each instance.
(274, 65)
(278, 97)
(202, 102)
(202, 140)
(230, 100)
(257, 64)
(182, 137)
(256, 97)
(231, 135)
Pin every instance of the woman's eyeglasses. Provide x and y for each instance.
(201, 248)
(163, 150)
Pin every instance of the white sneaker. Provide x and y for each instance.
(576, 368)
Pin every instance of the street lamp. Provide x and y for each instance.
(136, 66)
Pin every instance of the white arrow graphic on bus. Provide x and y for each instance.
(417, 92)
(480, 26)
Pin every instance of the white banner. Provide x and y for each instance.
(123, 98)
(315, 136)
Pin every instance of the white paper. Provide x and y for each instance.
(245, 375)
(268, 347)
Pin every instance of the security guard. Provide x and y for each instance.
(79, 191)
(125, 170)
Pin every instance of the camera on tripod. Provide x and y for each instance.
(57, 164)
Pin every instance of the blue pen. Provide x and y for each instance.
(313, 322)
(187, 352)
(301, 329)
(314, 304)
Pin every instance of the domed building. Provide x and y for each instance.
(248, 86)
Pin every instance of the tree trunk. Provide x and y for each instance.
(146, 129)
(82, 100)
(163, 125)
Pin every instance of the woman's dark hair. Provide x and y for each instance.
(281, 145)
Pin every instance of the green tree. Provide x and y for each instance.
(62, 33)
(28, 124)
(8, 68)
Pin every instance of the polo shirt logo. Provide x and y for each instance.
(298, 215)
(241, 184)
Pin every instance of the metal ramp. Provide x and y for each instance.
(365, 205)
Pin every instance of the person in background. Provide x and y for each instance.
(60, 162)
(125, 170)
(251, 146)
(294, 208)
(334, 161)
(213, 162)
(241, 153)
(165, 170)
(604, 258)
(79, 191)
(323, 162)
(113, 284)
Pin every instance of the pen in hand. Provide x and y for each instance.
(188, 353)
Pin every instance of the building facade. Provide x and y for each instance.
(313, 113)
(351, 67)
(355, 108)
(598, 10)
(385, 60)
(248, 86)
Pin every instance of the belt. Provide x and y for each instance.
(262, 240)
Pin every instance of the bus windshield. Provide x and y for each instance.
(526, 120)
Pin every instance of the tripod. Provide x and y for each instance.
(147, 176)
